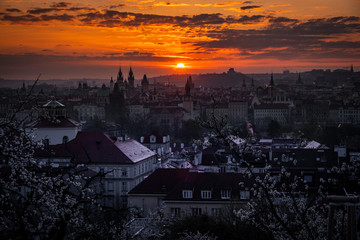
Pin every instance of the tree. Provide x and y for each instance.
(44, 202)
(282, 204)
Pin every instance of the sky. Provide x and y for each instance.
(92, 39)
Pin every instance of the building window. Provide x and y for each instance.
(308, 178)
(124, 172)
(175, 212)
(196, 211)
(206, 194)
(244, 195)
(215, 212)
(187, 193)
(124, 186)
(225, 194)
(110, 186)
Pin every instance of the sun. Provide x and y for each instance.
(180, 65)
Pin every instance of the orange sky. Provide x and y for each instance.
(75, 39)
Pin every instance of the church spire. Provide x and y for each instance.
(131, 78)
(299, 81)
(120, 78)
(272, 84)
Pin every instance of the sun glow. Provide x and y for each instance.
(180, 65)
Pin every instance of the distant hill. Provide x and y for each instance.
(229, 79)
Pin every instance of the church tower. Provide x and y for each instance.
(188, 103)
(299, 81)
(111, 84)
(131, 79)
(271, 91)
(120, 80)
(145, 84)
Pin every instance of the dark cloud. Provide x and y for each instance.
(245, 19)
(64, 17)
(57, 9)
(250, 7)
(43, 10)
(21, 19)
(60, 4)
(13, 10)
(31, 18)
(310, 39)
(117, 6)
(282, 20)
(248, 2)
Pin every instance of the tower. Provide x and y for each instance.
(271, 91)
(188, 103)
(272, 84)
(131, 79)
(120, 78)
(144, 84)
(111, 84)
(299, 81)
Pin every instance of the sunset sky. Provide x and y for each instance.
(91, 39)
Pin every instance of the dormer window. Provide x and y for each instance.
(206, 194)
(187, 194)
(225, 194)
(152, 139)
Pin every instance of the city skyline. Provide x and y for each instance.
(74, 39)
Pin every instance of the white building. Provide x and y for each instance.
(53, 127)
(87, 112)
(264, 113)
(124, 163)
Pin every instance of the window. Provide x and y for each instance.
(225, 194)
(175, 212)
(110, 186)
(308, 178)
(187, 193)
(196, 211)
(124, 172)
(244, 195)
(124, 186)
(205, 194)
(215, 212)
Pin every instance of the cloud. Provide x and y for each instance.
(117, 6)
(63, 18)
(31, 18)
(43, 10)
(60, 4)
(250, 7)
(282, 20)
(169, 4)
(13, 10)
(286, 38)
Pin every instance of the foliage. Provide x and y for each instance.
(282, 204)
(211, 228)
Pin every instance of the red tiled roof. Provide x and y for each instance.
(172, 181)
(99, 148)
